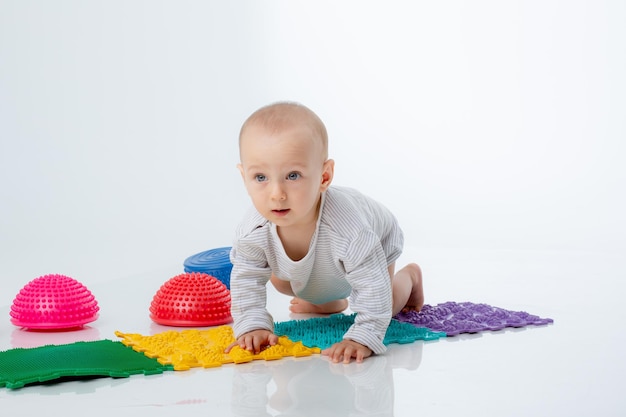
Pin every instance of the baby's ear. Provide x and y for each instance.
(327, 174)
(240, 168)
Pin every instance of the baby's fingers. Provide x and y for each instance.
(254, 341)
(241, 342)
(334, 353)
(345, 350)
(232, 345)
(273, 340)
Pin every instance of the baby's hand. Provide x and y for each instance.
(254, 341)
(346, 350)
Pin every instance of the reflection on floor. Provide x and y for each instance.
(572, 367)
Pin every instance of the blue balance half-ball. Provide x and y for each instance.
(215, 262)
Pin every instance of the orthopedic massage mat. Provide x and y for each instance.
(205, 348)
(178, 350)
(185, 349)
(81, 359)
(135, 354)
(455, 318)
(323, 332)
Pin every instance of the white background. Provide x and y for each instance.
(495, 130)
(481, 124)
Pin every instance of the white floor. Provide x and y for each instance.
(574, 367)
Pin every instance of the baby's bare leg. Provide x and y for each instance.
(299, 305)
(407, 288)
(283, 287)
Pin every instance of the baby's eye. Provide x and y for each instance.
(260, 178)
(292, 176)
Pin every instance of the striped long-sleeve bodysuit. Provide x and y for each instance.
(356, 238)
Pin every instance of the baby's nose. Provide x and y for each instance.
(278, 192)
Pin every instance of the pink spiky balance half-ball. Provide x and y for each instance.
(53, 302)
(191, 300)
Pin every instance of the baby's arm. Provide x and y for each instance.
(253, 325)
(368, 275)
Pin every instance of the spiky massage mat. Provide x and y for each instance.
(185, 349)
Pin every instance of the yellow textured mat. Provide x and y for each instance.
(194, 348)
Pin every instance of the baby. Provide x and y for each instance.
(317, 243)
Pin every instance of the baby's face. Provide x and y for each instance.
(284, 173)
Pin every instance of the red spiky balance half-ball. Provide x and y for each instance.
(191, 300)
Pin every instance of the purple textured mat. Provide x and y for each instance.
(455, 318)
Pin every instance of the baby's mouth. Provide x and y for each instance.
(280, 212)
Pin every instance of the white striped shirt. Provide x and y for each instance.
(355, 240)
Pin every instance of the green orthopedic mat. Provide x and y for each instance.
(19, 367)
(323, 332)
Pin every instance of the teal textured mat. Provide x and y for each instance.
(19, 367)
(323, 332)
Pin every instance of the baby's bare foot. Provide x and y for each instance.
(301, 306)
(408, 308)
(415, 301)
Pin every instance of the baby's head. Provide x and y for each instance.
(284, 162)
(282, 116)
